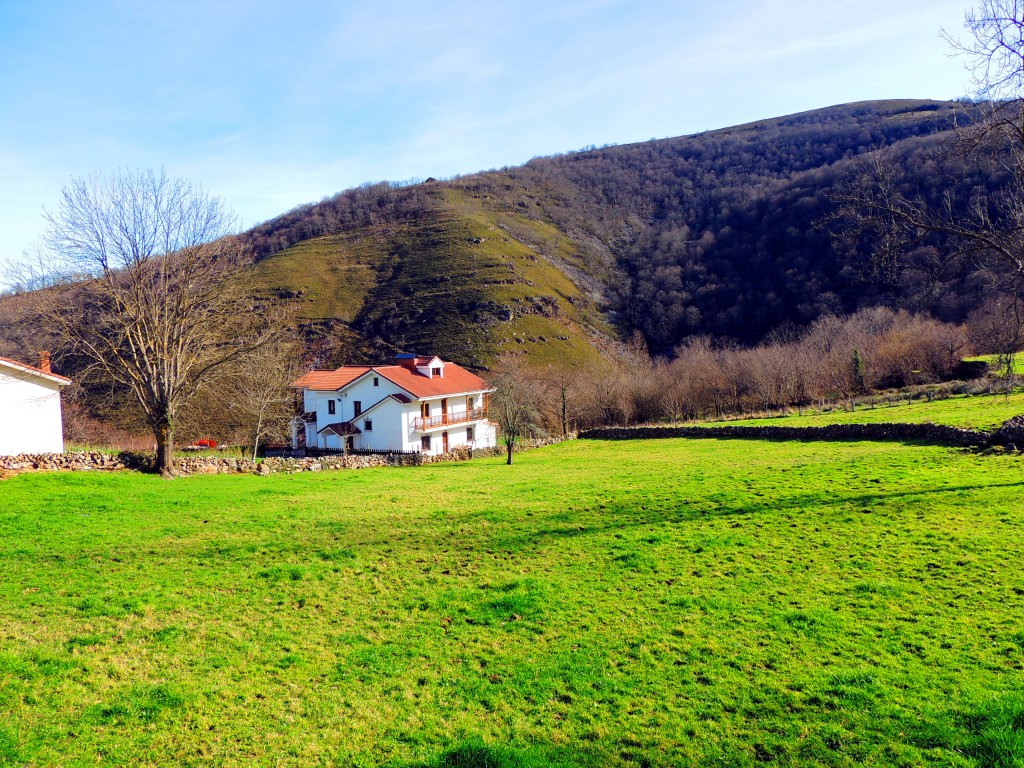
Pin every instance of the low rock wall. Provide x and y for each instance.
(83, 461)
(935, 434)
(77, 461)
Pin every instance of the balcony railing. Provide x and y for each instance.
(448, 419)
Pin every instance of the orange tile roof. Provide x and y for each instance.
(33, 369)
(455, 381)
(328, 381)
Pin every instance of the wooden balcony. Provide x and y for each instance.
(448, 419)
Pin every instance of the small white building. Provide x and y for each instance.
(421, 404)
(30, 415)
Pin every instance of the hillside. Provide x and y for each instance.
(715, 233)
(450, 279)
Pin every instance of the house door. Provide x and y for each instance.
(444, 439)
(349, 443)
(444, 414)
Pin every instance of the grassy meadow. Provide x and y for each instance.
(984, 412)
(648, 603)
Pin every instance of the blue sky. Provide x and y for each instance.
(271, 105)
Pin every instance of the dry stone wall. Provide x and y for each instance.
(83, 461)
(77, 461)
(935, 434)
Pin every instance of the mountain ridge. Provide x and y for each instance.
(567, 256)
(570, 253)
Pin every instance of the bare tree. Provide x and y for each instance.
(513, 404)
(35, 270)
(995, 48)
(259, 395)
(162, 307)
(560, 402)
(997, 327)
(985, 228)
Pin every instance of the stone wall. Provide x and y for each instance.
(78, 461)
(1011, 433)
(935, 434)
(82, 461)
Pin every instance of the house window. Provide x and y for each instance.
(357, 405)
(435, 371)
(469, 434)
(425, 410)
(368, 425)
(331, 405)
(376, 381)
(425, 443)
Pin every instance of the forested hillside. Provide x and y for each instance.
(718, 233)
(724, 233)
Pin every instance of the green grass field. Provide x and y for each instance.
(985, 412)
(993, 361)
(654, 603)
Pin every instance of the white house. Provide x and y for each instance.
(421, 404)
(30, 416)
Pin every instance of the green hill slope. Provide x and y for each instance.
(715, 233)
(712, 234)
(452, 280)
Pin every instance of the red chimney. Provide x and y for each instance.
(44, 362)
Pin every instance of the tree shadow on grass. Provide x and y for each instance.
(475, 753)
(626, 517)
(992, 733)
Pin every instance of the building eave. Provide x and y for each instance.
(34, 372)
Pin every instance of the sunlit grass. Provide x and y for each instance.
(984, 412)
(654, 603)
(993, 361)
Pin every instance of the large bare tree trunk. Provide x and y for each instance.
(164, 433)
(508, 447)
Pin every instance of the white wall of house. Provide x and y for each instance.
(389, 427)
(484, 436)
(363, 391)
(30, 415)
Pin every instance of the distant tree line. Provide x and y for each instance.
(835, 359)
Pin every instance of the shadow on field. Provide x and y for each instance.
(992, 733)
(474, 753)
(628, 517)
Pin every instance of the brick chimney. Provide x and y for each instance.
(44, 362)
